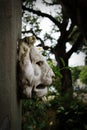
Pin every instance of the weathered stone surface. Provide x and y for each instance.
(10, 30)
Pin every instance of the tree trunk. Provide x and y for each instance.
(66, 80)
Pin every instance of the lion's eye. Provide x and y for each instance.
(39, 63)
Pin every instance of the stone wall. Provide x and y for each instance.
(10, 31)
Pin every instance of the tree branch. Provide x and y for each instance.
(38, 38)
(76, 46)
(39, 13)
(50, 4)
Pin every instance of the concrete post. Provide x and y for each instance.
(10, 31)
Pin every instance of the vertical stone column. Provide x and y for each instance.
(10, 31)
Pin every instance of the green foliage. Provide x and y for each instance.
(83, 75)
(75, 73)
(53, 115)
(73, 117)
(62, 61)
(33, 114)
(54, 68)
(74, 35)
(56, 81)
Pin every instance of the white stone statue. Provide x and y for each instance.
(34, 72)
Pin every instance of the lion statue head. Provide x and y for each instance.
(34, 72)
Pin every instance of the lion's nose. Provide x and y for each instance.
(52, 74)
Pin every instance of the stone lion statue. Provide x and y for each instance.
(34, 73)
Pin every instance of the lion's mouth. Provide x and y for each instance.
(40, 86)
(40, 90)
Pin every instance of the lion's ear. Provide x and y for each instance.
(26, 40)
(30, 40)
